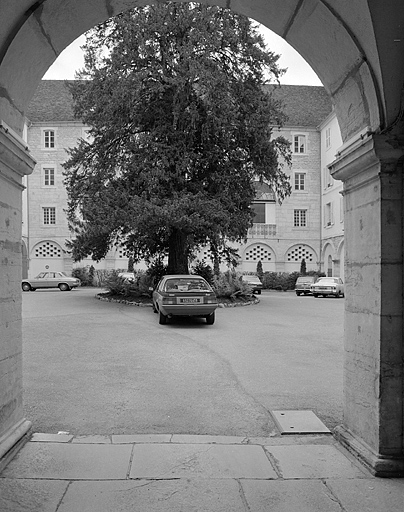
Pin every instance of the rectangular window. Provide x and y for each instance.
(49, 176)
(300, 218)
(341, 209)
(49, 138)
(328, 214)
(328, 138)
(49, 215)
(299, 144)
(327, 178)
(259, 210)
(300, 179)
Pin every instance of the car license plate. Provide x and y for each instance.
(190, 300)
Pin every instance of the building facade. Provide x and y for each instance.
(282, 235)
(332, 226)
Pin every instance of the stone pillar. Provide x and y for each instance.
(372, 171)
(15, 162)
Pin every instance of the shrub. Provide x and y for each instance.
(280, 280)
(100, 276)
(117, 285)
(260, 271)
(85, 274)
(285, 280)
(229, 285)
(156, 271)
(201, 268)
(114, 283)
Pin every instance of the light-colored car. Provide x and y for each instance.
(128, 277)
(50, 280)
(254, 282)
(303, 285)
(328, 286)
(184, 295)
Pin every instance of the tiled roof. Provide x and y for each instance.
(304, 105)
(52, 102)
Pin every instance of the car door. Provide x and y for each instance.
(41, 280)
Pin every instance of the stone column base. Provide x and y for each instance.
(379, 465)
(13, 440)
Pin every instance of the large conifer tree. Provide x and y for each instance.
(180, 127)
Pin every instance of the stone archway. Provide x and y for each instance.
(357, 50)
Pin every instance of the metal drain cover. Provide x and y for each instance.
(299, 422)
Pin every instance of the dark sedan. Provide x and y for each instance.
(184, 295)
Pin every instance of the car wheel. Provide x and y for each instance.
(26, 287)
(298, 294)
(340, 295)
(63, 287)
(210, 319)
(315, 295)
(259, 292)
(162, 318)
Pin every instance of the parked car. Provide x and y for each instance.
(303, 285)
(128, 277)
(50, 280)
(184, 295)
(328, 286)
(254, 282)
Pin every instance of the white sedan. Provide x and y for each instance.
(328, 286)
(50, 280)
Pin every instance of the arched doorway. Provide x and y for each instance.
(357, 51)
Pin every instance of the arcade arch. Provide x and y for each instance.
(357, 50)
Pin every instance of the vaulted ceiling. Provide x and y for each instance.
(356, 48)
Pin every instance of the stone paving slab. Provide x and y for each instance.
(206, 439)
(288, 496)
(92, 439)
(187, 495)
(31, 495)
(200, 461)
(314, 461)
(141, 438)
(376, 495)
(59, 461)
(51, 438)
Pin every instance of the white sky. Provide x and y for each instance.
(299, 72)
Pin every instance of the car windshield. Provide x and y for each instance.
(185, 285)
(304, 279)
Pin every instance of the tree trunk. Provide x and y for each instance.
(177, 253)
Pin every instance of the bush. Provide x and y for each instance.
(260, 271)
(85, 274)
(156, 271)
(117, 285)
(229, 285)
(100, 277)
(201, 268)
(285, 280)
